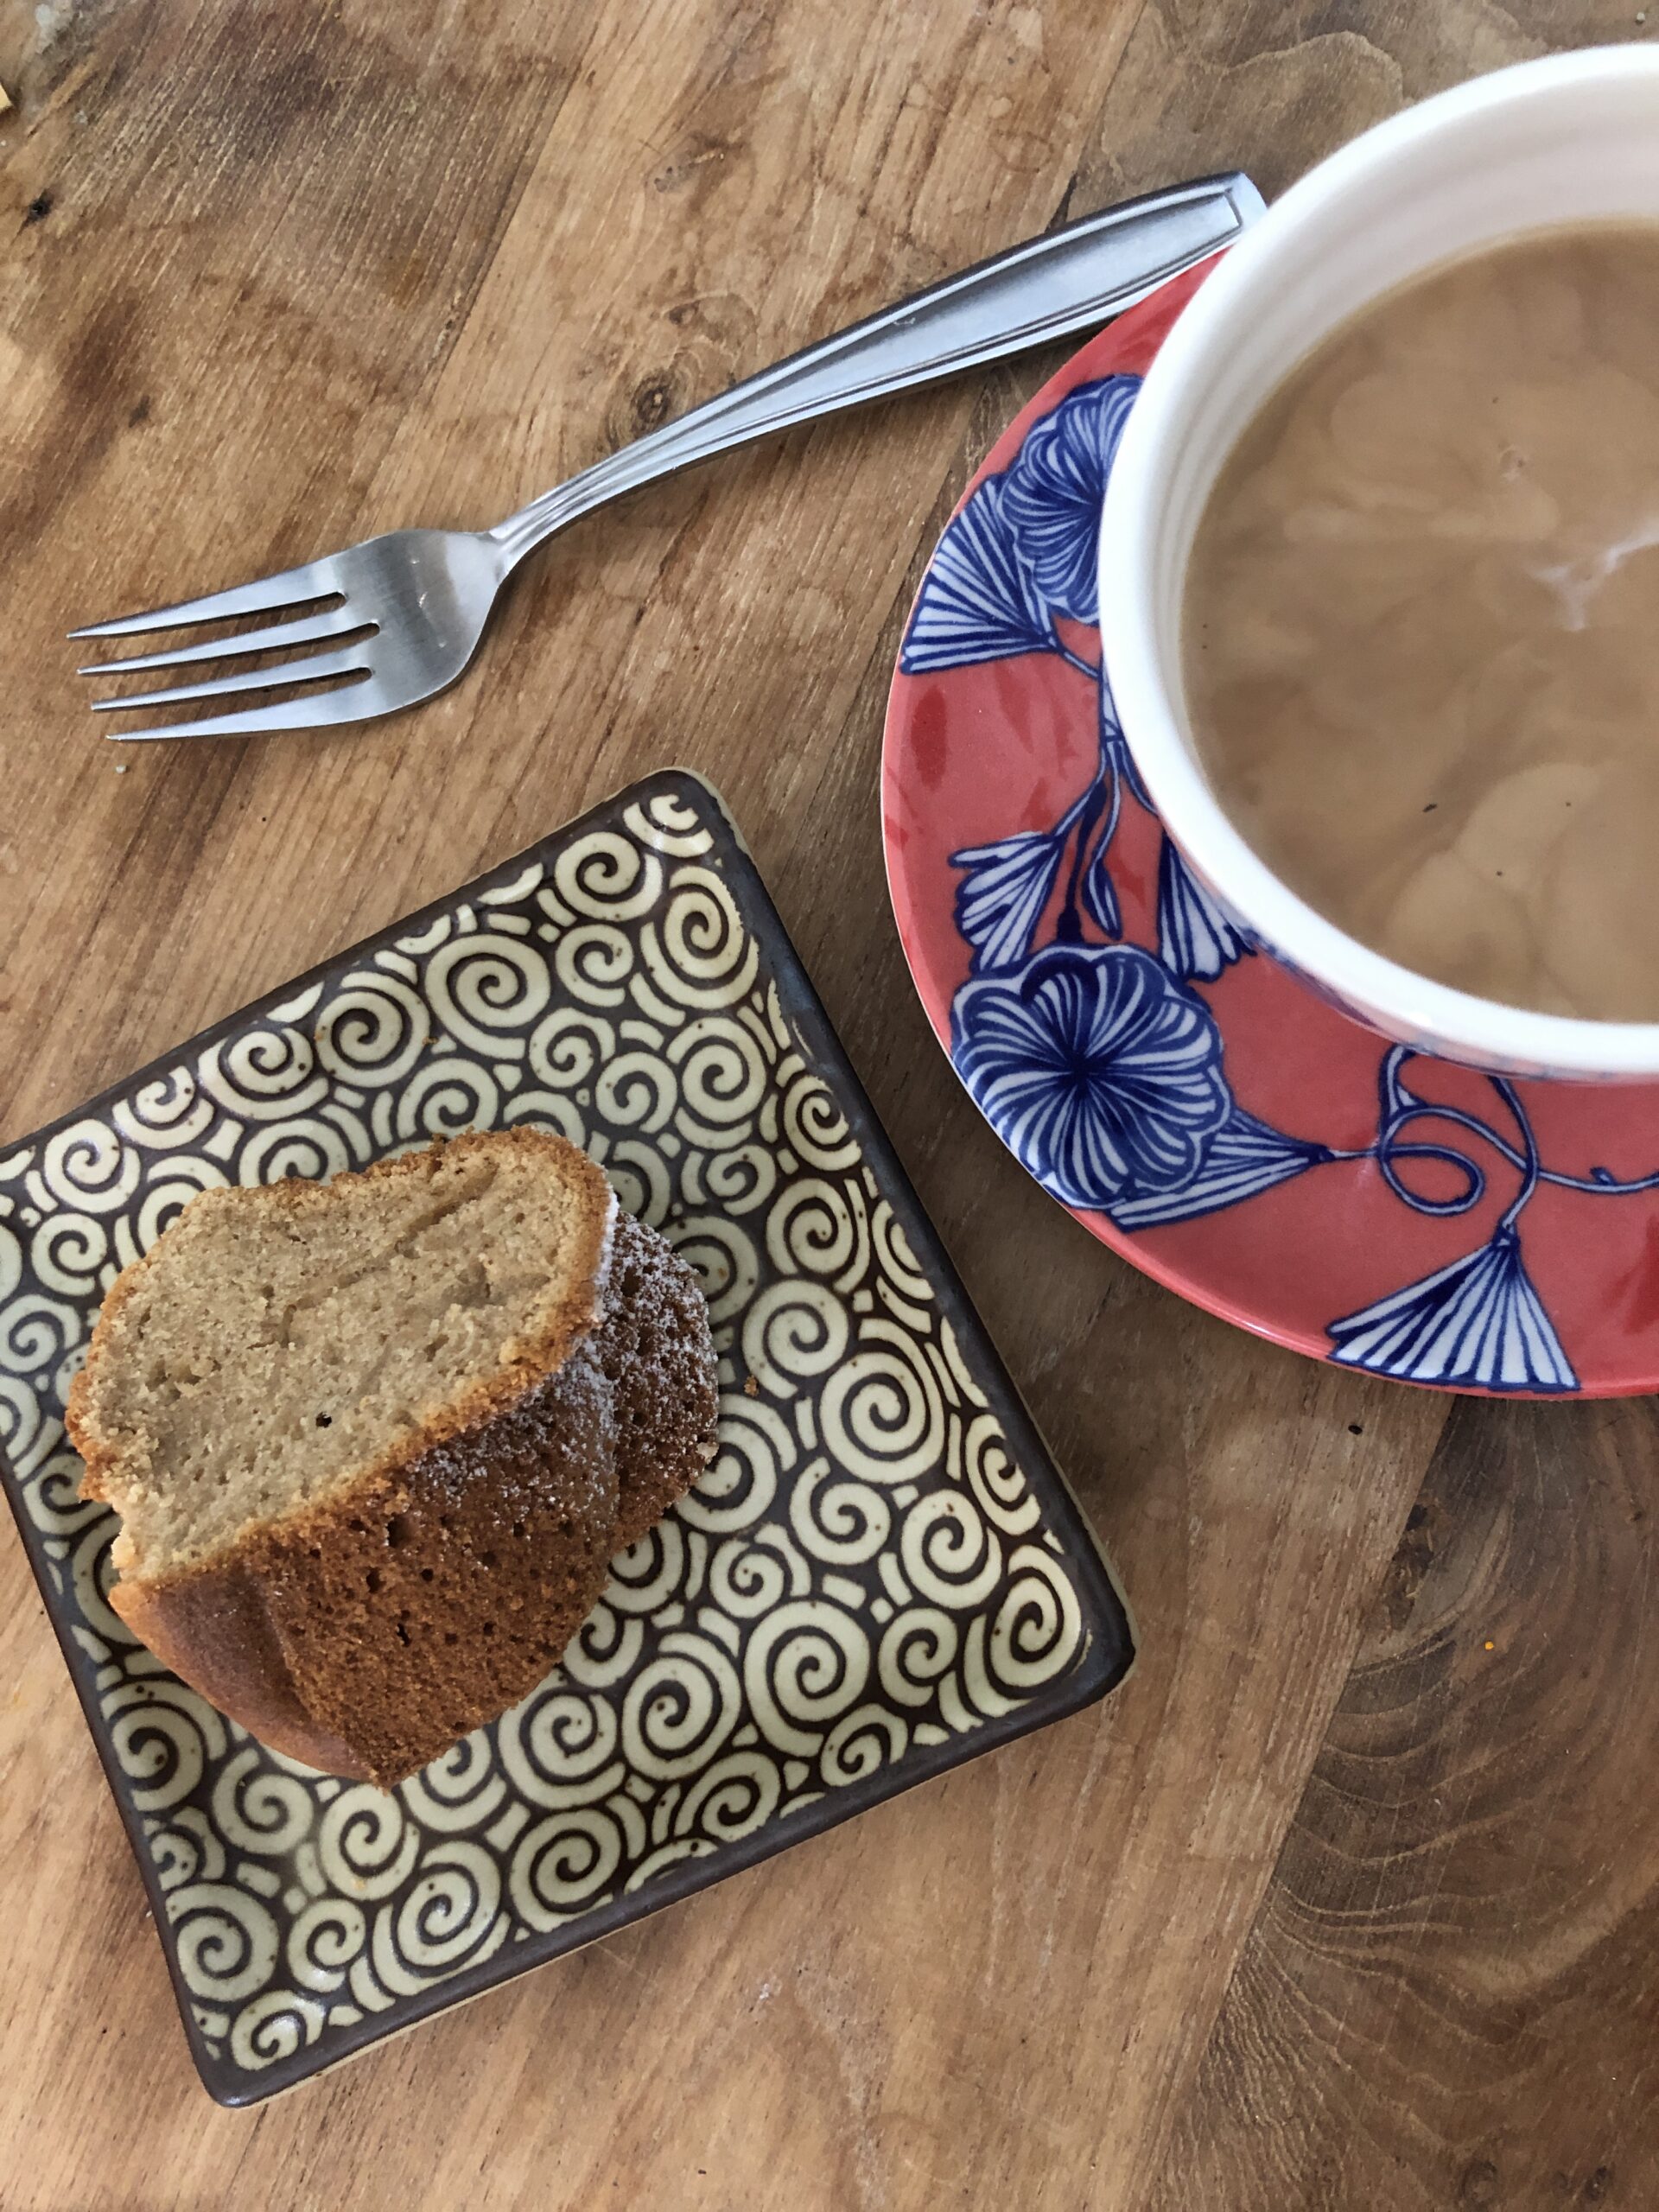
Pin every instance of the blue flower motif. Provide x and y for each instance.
(1101, 1074)
(977, 603)
(1195, 938)
(1056, 488)
(1477, 1323)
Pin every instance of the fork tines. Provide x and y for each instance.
(327, 614)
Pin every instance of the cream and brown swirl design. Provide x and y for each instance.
(879, 1575)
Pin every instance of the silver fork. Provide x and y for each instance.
(409, 608)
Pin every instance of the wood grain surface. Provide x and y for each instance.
(1349, 1899)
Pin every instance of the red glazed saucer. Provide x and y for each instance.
(1192, 1104)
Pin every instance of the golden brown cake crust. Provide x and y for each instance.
(655, 1350)
(213, 1630)
(368, 1636)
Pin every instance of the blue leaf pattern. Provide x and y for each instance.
(1056, 486)
(1244, 1158)
(977, 603)
(1195, 938)
(1114, 746)
(1098, 1071)
(1476, 1324)
(1000, 898)
(1100, 893)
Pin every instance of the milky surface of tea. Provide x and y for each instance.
(1422, 626)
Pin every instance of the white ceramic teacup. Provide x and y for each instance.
(1572, 139)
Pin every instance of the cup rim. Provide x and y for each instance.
(1406, 1005)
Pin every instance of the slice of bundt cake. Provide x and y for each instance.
(362, 1439)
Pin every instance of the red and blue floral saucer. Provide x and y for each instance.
(1196, 1107)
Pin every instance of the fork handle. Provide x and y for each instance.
(1071, 280)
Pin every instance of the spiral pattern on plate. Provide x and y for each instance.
(373, 1031)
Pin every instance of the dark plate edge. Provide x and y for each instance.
(1102, 1604)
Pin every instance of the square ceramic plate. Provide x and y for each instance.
(880, 1574)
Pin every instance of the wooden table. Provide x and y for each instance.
(1348, 1900)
